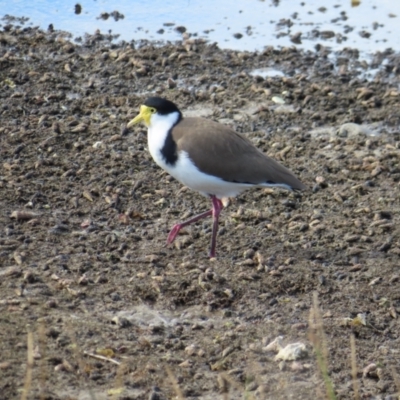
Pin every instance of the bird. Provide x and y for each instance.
(207, 157)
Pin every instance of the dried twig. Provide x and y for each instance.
(42, 363)
(354, 367)
(29, 366)
(99, 357)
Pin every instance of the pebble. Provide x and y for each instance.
(297, 366)
(5, 365)
(296, 37)
(191, 349)
(300, 326)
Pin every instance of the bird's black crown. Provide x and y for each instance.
(163, 106)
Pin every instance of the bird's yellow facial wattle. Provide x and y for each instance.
(144, 116)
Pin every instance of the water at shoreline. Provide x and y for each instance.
(249, 25)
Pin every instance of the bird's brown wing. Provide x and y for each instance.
(218, 150)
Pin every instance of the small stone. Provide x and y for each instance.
(227, 351)
(262, 390)
(151, 368)
(59, 368)
(299, 326)
(201, 353)
(171, 83)
(83, 280)
(186, 364)
(248, 262)
(249, 253)
(36, 353)
(355, 268)
(327, 34)
(23, 215)
(251, 386)
(51, 304)
(191, 349)
(272, 302)
(180, 29)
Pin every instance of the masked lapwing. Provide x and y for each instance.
(208, 157)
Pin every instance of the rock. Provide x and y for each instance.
(352, 130)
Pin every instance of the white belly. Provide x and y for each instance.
(189, 175)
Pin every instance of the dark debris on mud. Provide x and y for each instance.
(85, 213)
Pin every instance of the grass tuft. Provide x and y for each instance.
(175, 384)
(318, 341)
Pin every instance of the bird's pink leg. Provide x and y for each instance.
(216, 210)
(176, 228)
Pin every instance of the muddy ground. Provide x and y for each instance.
(89, 289)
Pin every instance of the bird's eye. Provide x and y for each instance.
(152, 110)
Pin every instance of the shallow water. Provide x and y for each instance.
(261, 23)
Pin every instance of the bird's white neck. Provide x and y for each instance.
(157, 132)
(163, 122)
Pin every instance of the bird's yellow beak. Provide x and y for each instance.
(143, 116)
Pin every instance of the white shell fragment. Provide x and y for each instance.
(293, 351)
(278, 100)
(97, 145)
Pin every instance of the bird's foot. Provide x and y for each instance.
(173, 233)
(212, 254)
